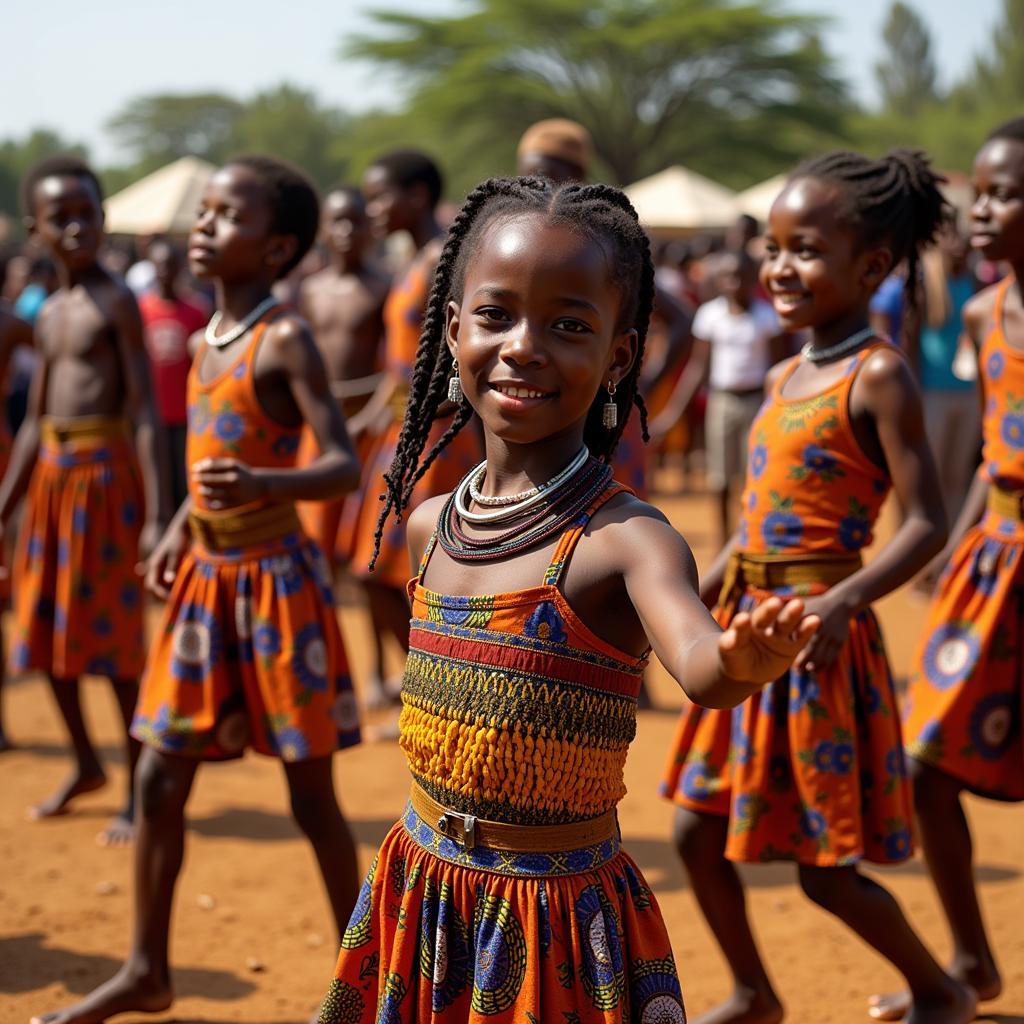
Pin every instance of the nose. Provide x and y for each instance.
(203, 221)
(980, 208)
(522, 346)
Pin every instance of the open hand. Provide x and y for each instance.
(760, 645)
(227, 483)
(824, 646)
(162, 565)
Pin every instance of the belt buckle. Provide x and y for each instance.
(465, 832)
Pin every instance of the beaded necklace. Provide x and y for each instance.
(545, 520)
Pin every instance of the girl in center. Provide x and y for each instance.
(502, 893)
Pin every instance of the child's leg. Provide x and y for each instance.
(119, 832)
(700, 840)
(316, 812)
(88, 773)
(876, 917)
(946, 840)
(389, 610)
(143, 984)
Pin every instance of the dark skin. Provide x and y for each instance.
(821, 278)
(538, 313)
(344, 302)
(232, 243)
(997, 231)
(92, 363)
(13, 332)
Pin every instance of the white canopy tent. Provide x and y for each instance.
(757, 200)
(163, 202)
(680, 201)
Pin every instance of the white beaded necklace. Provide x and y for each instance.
(840, 348)
(519, 503)
(210, 334)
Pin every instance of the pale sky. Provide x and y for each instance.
(70, 66)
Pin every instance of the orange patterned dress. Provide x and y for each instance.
(248, 651)
(811, 768)
(514, 711)
(965, 706)
(77, 595)
(403, 318)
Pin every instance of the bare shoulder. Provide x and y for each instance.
(978, 312)
(776, 371)
(288, 338)
(884, 378)
(195, 341)
(422, 522)
(629, 532)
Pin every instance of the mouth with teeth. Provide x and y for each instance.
(784, 301)
(518, 395)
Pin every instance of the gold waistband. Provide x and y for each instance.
(770, 572)
(83, 428)
(243, 527)
(470, 831)
(1008, 504)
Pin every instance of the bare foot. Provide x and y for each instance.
(745, 1007)
(125, 992)
(983, 979)
(76, 784)
(120, 832)
(959, 1006)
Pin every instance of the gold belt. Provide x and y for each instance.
(242, 528)
(83, 428)
(470, 831)
(1007, 504)
(770, 572)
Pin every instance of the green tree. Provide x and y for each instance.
(158, 129)
(906, 74)
(728, 88)
(18, 155)
(998, 77)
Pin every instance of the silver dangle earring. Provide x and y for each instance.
(455, 385)
(610, 411)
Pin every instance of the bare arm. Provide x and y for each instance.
(694, 377)
(677, 319)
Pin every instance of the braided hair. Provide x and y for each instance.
(599, 212)
(893, 201)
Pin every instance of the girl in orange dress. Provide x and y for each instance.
(402, 191)
(502, 894)
(964, 712)
(811, 769)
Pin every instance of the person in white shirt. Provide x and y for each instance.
(736, 339)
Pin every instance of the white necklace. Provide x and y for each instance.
(522, 504)
(210, 334)
(824, 355)
(494, 501)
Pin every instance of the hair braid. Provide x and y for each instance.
(600, 212)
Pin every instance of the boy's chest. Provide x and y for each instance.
(74, 329)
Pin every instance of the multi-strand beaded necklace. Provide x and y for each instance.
(532, 516)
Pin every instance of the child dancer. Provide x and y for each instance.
(812, 769)
(248, 651)
(77, 596)
(964, 707)
(502, 893)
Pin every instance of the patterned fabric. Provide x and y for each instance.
(965, 705)
(248, 650)
(810, 488)
(811, 768)
(5, 457)
(629, 464)
(403, 318)
(514, 711)
(77, 596)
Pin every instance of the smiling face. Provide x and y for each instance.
(231, 239)
(68, 218)
(536, 334)
(997, 216)
(815, 268)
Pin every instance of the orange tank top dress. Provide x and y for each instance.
(512, 711)
(965, 704)
(811, 768)
(403, 321)
(248, 650)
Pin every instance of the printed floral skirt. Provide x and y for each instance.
(248, 653)
(811, 769)
(448, 935)
(965, 704)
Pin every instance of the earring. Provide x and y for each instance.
(610, 411)
(455, 386)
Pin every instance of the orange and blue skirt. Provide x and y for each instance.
(810, 769)
(965, 704)
(248, 653)
(444, 934)
(77, 592)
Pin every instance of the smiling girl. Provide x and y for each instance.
(811, 768)
(502, 893)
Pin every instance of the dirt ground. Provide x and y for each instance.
(249, 894)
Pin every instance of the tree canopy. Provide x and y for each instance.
(906, 72)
